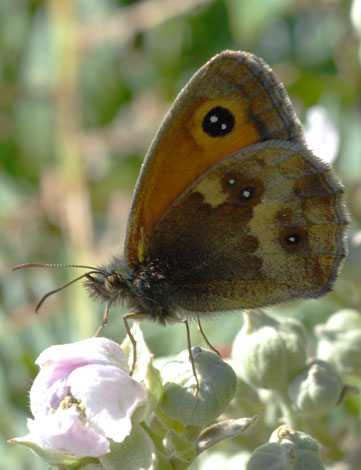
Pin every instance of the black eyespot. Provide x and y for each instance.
(247, 193)
(218, 121)
(293, 239)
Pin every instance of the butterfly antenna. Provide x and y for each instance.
(44, 297)
(39, 265)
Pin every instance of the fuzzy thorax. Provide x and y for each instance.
(142, 288)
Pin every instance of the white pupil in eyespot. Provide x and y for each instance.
(231, 181)
(214, 118)
(292, 239)
(246, 193)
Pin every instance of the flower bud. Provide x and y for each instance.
(218, 384)
(317, 390)
(340, 341)
(287, 450)
(268, 353)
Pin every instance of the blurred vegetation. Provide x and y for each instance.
(84, 85)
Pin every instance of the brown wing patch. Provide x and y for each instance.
(312, 186)
(244, 235)
(232, 102)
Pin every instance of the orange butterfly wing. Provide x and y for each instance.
(181, 151)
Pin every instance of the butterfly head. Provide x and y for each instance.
(108, 284)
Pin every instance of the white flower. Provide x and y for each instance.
(82, 397)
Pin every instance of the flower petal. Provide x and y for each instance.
(48, 389)
(57, 362)
(89, 351)
(63, 432)
(110, 397)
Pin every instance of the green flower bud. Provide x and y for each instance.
(218, 384)
(268, 353)
(287, 450)
(317, 390)
(340, 341)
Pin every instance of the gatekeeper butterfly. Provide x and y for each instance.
(231, 210)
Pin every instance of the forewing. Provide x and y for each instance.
(182, 150)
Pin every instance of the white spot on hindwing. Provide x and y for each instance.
(246, 193)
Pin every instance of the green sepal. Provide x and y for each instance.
(52, 458)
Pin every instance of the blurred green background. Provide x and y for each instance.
(84, 85)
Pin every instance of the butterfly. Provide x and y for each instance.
(231, 210)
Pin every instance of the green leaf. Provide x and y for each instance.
(136, 452)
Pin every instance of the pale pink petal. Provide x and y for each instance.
(64, 433)
(110, 397)
(58, 361)
(48, 390)
(95, 350)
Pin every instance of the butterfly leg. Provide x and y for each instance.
(200, 329)
(189, 345)
(133, 316)
(104, 322)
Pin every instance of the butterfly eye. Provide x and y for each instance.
(218, 122)
(247, 193)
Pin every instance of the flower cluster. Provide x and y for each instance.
(271, 353)
(88, 410)
(89, 413)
